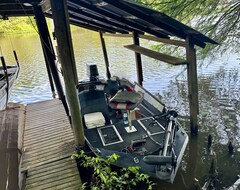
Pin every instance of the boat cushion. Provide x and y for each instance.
(127, 97)
(93, 120)
(126, 100)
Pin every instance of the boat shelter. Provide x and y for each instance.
(120, 18)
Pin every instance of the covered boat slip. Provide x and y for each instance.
(117, 18)
(47, 147)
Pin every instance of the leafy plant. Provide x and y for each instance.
(104, 177)
(217, 19)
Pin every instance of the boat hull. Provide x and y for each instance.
(152, 145)
(4, 91)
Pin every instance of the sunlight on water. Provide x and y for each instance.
(219, 97)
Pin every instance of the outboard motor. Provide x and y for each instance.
(92, 71)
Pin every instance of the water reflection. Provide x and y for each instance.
(219, 87)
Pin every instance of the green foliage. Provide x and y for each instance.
(104, 178)
(218, 19)
(18, 25)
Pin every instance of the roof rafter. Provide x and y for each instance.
(115, 17)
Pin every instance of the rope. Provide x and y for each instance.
(10, 41)
(51, 50)
(1, 54)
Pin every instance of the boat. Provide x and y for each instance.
(122, 117)
(8, 75)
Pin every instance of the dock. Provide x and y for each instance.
(46, 149)
(11, 129)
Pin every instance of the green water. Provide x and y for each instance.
(219, 97)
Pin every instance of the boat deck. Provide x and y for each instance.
(115, 137)
(48, 146)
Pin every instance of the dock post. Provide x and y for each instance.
(65, 47)
(138, 59)
(49, 54)
(105, 55)
(192, 85)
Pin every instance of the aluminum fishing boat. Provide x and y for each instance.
(124, 118)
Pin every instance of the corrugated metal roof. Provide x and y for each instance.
(118, 16)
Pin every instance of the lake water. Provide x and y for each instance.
(219, 95)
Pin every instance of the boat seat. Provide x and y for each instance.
(92, 101)
(126, 100)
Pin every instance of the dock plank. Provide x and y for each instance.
(48, 146)
(11, 126)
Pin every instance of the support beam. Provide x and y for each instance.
(64, 40)
(105, 55)
(108, 14)
(138, 59)
(163, 40)
(50, 78)
(156, 55)
(192, 85)
(118, 35)
(49, 55)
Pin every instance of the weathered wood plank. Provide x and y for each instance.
(57, 113)
(52, 174)
(33, 150)
(47, 126)
(61, 150)
(48, 142)
(61, 179)
(46, 116)
(67, 167)
(164, 40)
(156, 55)
(38, 136)
(50, 138)
(118, 35)
(10, 144)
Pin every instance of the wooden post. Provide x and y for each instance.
(64, 40)
(4, 66)
(43, 36)
(192, 85)
(49, 54)
(138, 59)
(105, 55)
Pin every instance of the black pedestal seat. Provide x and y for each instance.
(126, 100)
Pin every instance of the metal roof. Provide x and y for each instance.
(118, 16)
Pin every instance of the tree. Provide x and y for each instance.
(217, 19)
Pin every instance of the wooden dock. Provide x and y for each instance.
(11, 128)
(47, 148)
